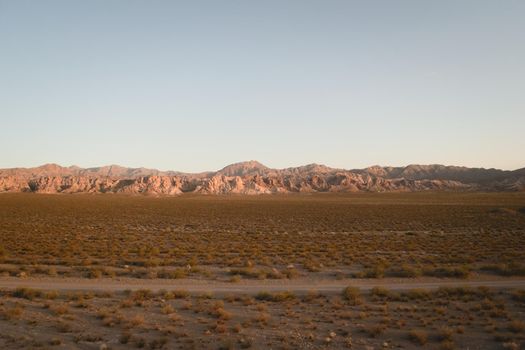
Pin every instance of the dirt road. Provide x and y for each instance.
(249, 287)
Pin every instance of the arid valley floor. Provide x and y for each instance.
(440, 270)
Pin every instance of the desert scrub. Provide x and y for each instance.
(125, 338)
(50, 295)
(172, 274)
(141, 295)
(352, 295)
(235, 278)
(377, 271)
(27, 293)
(50, 271)
(374, 330)
(262, 318)
(290, 272)
(247, 272)
(219, 312)
(8, 313)
(205, 295)
(59, 309)
(519, 295)
(182, 231)
(406, 271)
(312, 266)
(275, 297)
(510, 269)
(446, 271)
(384, 293)
(418, 336)
(136, 320)
(167, 309)
(311, 296)
(466, 293)
(176, 294)
(445, 333)
(516, 326)
(94, 273)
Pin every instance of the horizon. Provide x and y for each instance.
(190, 86)
(261, 163)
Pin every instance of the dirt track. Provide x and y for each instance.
(199, 286)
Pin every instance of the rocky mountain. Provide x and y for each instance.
(251, 167)
(253, 177)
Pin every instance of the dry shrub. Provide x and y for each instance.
(172, 274)
(377, 271)
(55, 341)
(374, 330)
(418, 336)
(445, 333)
(218, 311)
(126, 303)
(174, 317)
(176, 294)
(167, 309)
(26, 293)
(124, 338)
(275, 297)
(311, 296)
(447, 345)
(12, 312)
(405, 271)
(519, 295)
(517, 326)
(352, 295)
(384, 293)
(235, 279)
(51, 295)
(446, 271)
(262, 317)
(158, 343)
(205, 295)
(136, 320)
(510, 269)
(60, 309)
(142, 295)
(237, 328)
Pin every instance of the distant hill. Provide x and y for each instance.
(253, 177)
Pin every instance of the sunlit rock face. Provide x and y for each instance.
(253, 178)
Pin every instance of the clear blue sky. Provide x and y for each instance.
(196, 85)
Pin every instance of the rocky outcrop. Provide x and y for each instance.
(254, 178)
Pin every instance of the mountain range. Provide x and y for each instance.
(253, 177)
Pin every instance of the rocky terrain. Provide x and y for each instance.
(254, 178)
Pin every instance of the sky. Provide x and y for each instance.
(197, 85)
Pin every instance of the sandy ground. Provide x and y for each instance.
(248, 286)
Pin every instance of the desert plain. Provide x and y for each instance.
(438, 270)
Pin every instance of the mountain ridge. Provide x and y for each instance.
(253, 177)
